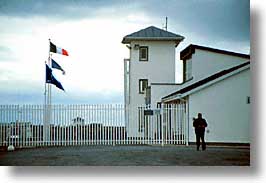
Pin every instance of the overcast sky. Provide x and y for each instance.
(92, 31)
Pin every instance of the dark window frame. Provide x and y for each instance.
(145, 59)
(248, 99)
(140, 81)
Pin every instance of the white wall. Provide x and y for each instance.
(224, 106)
(206, 63)
(160, 91)
(160, 68)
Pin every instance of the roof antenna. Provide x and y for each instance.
(165, 23)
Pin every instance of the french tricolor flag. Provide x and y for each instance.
(58, 50)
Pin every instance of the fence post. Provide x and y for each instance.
(162, 113)
(187, 121)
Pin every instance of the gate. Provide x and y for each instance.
(164, 125)
(70, 125)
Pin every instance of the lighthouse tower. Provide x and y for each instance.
(152, 60)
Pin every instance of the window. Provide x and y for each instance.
(143, 53)
(188, 70)
(143, 84)
(248, 99)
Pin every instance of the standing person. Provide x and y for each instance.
(200, 124)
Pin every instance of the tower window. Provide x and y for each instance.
(248, 99)
(143, 53)
(143, 84)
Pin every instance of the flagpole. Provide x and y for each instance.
(50, 95)
(45, 86)
(45, 89)
(49, 85)
(49, 64)
(50, 99)
(47, 107)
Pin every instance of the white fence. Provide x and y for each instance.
(68, 125)
(165, 125)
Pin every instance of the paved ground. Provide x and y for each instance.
(127, 156)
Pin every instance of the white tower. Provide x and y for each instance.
(152, 60)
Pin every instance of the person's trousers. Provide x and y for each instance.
(200, 136)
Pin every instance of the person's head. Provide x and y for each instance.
(199, 115)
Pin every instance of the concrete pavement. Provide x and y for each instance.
(128, 156)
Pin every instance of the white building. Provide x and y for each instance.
(152, 60)
(216, 83)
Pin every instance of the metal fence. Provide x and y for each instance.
(68, 125)
(164, 125)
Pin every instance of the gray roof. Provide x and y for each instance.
(152, 33)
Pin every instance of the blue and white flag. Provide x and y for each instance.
(55, 65)
(51, 79)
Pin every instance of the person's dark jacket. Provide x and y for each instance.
(200, 124)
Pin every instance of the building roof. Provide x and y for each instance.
(152, 33)
(207, 80)
(188, 51)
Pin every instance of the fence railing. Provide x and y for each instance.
(164, 125)
(68, 125)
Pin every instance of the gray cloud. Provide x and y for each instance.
(209, 21)
(6, 54)
(32, 92)
(59, 9)
(91, 98)
(223, 19)
(34, 97)
(4, 49)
